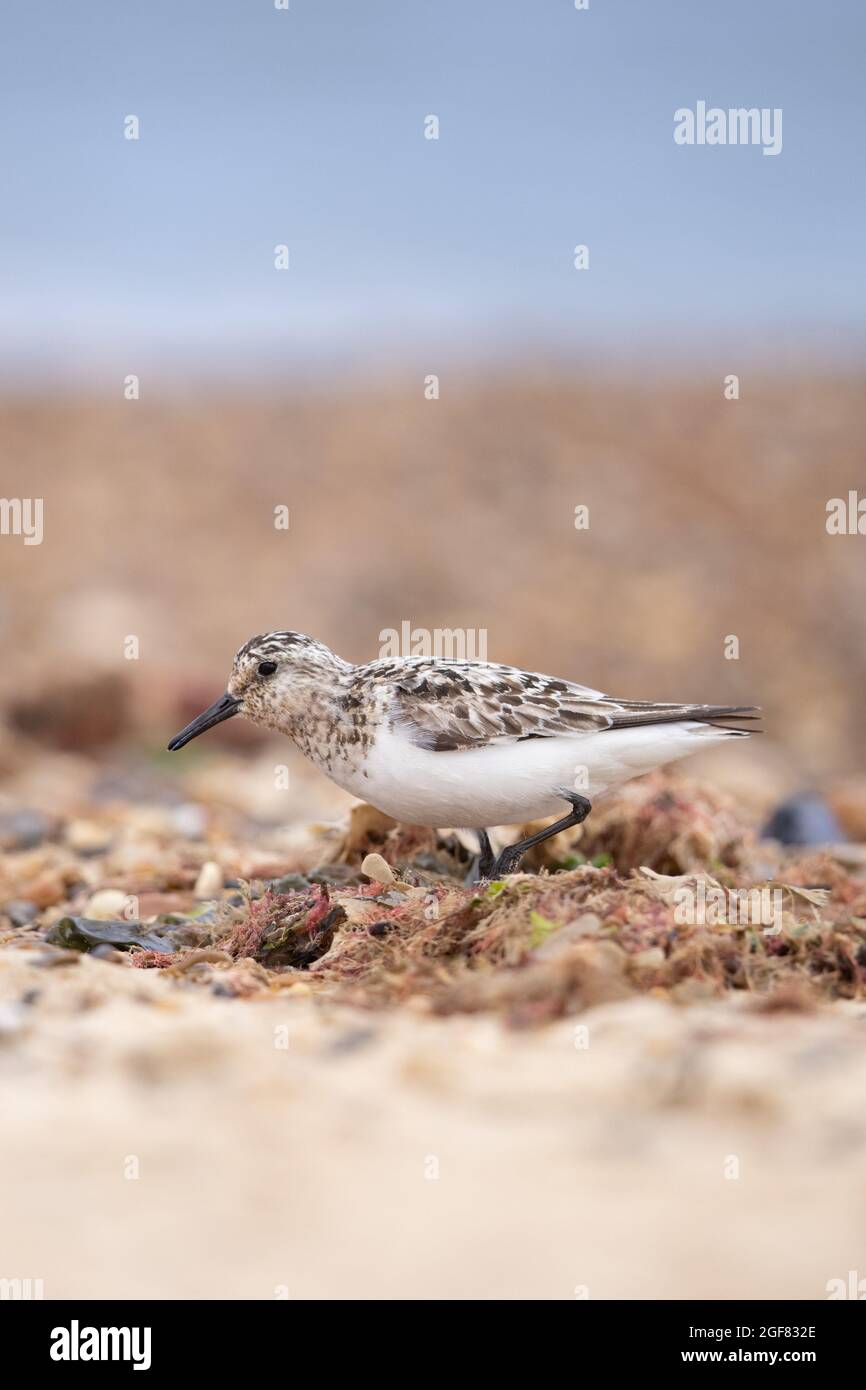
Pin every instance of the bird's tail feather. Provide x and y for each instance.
(701, 714)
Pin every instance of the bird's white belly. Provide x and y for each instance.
(507, 782)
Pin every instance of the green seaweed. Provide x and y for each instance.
(541, 928)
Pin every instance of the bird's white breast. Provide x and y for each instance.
(510, 781)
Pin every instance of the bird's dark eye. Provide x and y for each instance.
(267, 668)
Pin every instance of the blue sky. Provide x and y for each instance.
(305, 127)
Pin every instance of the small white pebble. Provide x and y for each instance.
(375, 867)
(209, 883)
(189, 820)
(12, 1018)
(651, 959)
(106, 904)
(85, 837)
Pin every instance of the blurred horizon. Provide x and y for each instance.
(261, 127)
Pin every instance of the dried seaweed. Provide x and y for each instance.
(386, 918)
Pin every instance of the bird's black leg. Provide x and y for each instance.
(511, 856)
(487, 858)
(482, 864)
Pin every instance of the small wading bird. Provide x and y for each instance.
(467, 744)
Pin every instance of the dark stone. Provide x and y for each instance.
(106, 952)
(26, 829)
(83, 934)
(352, 1041)
(804, 819)
(21, 913)
(334, 875)
(80, 714)
(289, 883)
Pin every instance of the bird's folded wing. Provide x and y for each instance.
(444, 708)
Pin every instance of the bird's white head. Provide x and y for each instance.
(277, 680)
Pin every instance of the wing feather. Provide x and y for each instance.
(445, 706)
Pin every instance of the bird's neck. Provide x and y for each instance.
(325, 718)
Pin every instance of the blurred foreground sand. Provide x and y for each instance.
(309, 1167)
(687, 1123)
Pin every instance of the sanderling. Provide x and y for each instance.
(468, 744)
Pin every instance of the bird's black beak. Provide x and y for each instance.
(221, 709)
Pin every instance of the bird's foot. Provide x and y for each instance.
(508, 862)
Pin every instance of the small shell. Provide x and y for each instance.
(107, 904)
(375, 867)
(209, 883)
